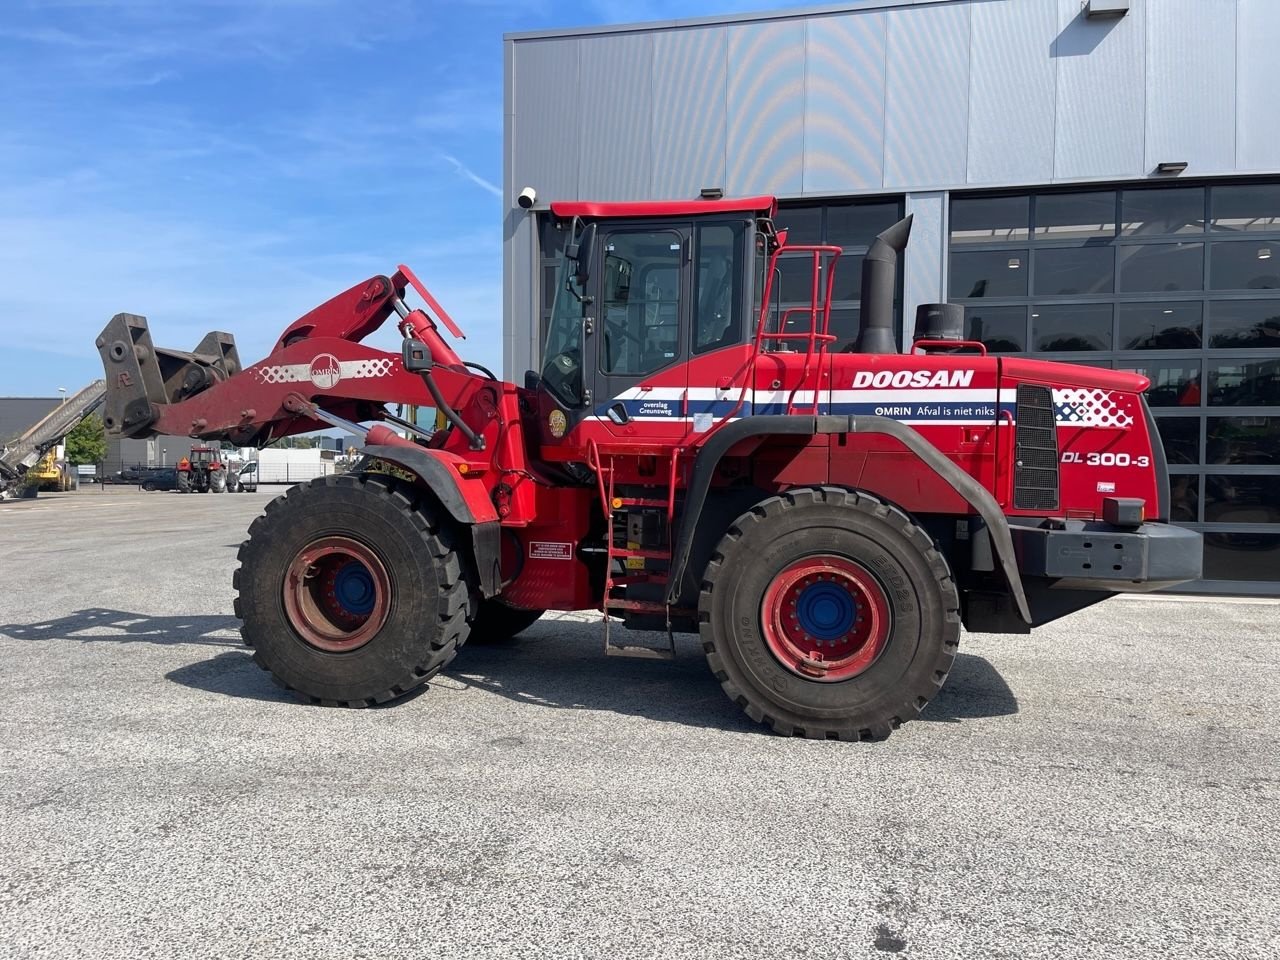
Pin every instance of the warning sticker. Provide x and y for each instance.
(548, 550)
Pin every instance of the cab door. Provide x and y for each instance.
(639, 339)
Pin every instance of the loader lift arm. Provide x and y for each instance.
(207, 393)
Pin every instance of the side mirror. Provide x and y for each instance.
(416, 356)
(580, 253)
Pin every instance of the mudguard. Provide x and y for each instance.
(976, 495)
(466, 503)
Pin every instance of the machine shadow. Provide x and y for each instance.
(561, 665)
(557, 664)
(128, 627)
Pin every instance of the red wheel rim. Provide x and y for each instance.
(337, 594)
(825, 618)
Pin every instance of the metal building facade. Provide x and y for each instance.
(923, 102)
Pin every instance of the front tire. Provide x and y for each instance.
(350, 591)
(827, 613)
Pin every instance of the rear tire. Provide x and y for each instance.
(826, 613)
(149, 487)
(495, 622)
(184, 481)
(351, 591)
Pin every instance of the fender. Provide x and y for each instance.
(475, 512)
(710, 454)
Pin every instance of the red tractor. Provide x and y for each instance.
(202, 472)
(689, 458)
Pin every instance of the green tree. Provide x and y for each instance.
(87, 443)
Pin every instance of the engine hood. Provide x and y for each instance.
(1072, 375)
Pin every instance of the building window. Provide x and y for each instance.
(1179, 283)
(852, 226)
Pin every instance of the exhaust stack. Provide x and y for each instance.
(879, 282)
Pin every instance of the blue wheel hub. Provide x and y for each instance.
(826, 611)
(354, 590)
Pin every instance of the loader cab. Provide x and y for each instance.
(642, 290)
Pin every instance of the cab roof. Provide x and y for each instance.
(765, 205)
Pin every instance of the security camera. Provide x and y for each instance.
(528, 197)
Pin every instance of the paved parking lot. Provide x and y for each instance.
(1107, 788)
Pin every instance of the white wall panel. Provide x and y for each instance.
(545, 126)
(1191, 83)
(690, 81)
(615, 105)
(1258, 111)
(1101, 94)
(766, 108)
(1012, 91)
(844, 103)
(926, 102)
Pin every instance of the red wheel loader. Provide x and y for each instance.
(688, 458)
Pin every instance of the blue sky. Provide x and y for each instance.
(229, 164)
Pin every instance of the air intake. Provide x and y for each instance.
(1035, 450)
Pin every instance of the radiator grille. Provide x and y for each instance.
(1035, 472)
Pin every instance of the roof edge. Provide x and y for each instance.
(792, 13)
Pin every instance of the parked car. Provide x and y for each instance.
(158, 478)
(245, 480)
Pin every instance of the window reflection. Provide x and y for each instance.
(1161, 267)
(1162, 211)
(1242, 556)
(1241, 499)
(1181, 439)
(1002, 329)
(983, 273)
(1246, 207)
(1245, 265)
(990, 219)
(1184, 498)
(1160, 326)
(1071, 326)
(1174, 383)
(1060, 216)
(1240, 384)
(1245, 323)
(1244, 440)
(1075, 271)
(856, 225)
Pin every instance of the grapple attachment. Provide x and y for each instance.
(141, 378)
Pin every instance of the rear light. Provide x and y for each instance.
(1124, 511)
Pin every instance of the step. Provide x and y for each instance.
(639, 502)
(645, 554)
(640, 652)
(640, 577)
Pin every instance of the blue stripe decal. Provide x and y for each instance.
(982, 411)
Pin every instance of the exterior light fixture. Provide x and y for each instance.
(1014, 263)
(1106, 9)
(1264, 253)
(711, 193)
(1167, 312)
(1171, 166)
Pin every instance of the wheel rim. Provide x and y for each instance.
(337, 594)
(825, 618)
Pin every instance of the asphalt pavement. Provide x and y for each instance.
(1108, 787)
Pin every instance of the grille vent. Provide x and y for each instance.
(1035, 472)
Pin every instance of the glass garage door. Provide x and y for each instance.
(1181, 283)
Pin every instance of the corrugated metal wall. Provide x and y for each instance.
(916, 98)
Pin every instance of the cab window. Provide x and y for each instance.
(718, 286)
(641, 301)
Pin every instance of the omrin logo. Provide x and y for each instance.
(912, 378)
(325, 372)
